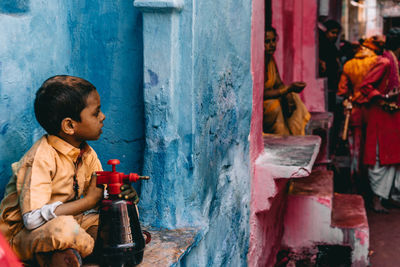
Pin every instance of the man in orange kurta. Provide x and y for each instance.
(352, 76)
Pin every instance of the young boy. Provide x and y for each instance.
(46, 209)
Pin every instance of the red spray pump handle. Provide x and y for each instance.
(114, 180)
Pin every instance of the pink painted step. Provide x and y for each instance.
(349, 211)
(318, 183)
(315, 215)
(307, 220)
(349, 215)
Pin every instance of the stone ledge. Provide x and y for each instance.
(289, 156)
(283, 157)
(158, 5)
(167, 247)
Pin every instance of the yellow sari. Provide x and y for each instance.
(286, 115)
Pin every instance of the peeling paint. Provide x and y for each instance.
(153, 78)
(325, 201)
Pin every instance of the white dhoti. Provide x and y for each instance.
(385, 180)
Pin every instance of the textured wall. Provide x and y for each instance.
(198, 97)
(223, 101)
(97, 40)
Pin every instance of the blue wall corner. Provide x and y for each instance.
(98, 41)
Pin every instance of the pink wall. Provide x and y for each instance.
(266, 218)
(296, 55)
(256, 143)
(295, 21)
(257, 70)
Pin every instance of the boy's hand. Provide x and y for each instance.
(128, 193)
(94, 194)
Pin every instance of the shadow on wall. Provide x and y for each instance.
(14, 6)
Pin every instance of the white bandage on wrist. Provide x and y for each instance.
(38, 217)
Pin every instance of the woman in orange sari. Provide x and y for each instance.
(284, 112)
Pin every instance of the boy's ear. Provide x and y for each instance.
(68, 126)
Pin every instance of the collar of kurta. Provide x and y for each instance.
(68, 149)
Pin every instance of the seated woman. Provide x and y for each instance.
(284, 112)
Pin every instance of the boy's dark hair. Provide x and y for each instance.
(60, 97)
(332, 24)
(393, 39)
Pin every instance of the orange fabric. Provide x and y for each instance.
(44, 175)
(353, 74)
(274, 120)
(273, 79)
(60, 233)
(371, 44)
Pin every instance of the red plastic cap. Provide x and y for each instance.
(113, 162)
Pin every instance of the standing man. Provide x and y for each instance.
(382, 145)
(352, 76)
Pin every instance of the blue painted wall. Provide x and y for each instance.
(222, 97)
(197, 122)
(198, 99)
(97, 40)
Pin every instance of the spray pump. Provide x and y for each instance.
(120, 240)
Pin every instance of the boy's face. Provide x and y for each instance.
(89, 128)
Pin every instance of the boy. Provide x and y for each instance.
(46, 209)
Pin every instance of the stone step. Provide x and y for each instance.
(349, 211)
(316, 216)
(319, 183)
(349, 215)
(308, 214)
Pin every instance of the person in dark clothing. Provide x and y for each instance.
(329, 67)
(329, 58)
(347, 50)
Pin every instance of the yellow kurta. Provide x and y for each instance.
(45, 175)
(353, 74)
(288, 119)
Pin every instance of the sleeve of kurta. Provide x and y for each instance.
(35, 179)
(374, 79)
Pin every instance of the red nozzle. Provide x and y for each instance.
(114, 179)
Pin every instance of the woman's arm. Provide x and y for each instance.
(276, 93)
(270, 93)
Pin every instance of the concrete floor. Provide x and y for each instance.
(384, 238)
